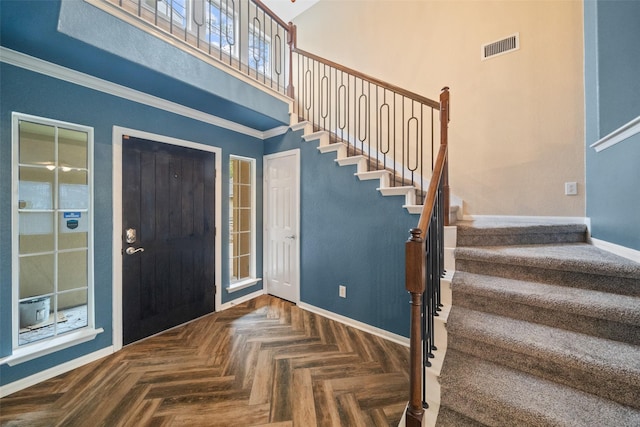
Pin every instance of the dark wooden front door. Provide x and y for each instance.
(168, 199)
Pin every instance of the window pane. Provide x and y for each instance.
(245, 244)
(245, 173)
(72, 311)
(244, 266)
(35, 189)
(36, 144)
(36, 275)
(71, 240)
(36, 232)
(73, 189)
(245, 196)
(72, 270)
(244, 221)
(36, 320)
(234, 267)
(72, 148)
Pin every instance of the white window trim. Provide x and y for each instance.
(252, 279)
(50, 345)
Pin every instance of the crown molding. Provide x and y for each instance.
(59, 72)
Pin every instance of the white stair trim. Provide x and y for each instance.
(360, 161)
(338, 147)
(304, 126)
(321, 136)
(414, 209)
(408, 191)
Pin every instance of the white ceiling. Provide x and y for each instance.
(287, 10)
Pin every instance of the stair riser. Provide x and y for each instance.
(588, 380)
(616, 285)
(520, 239)
(550, 317)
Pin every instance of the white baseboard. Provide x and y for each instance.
(23, 383)
(622, 251)
(398, 339)
(242, 299)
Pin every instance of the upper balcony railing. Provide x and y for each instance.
(244, 34)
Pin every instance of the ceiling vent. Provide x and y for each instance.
(500, 47)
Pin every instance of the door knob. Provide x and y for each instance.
(131, 250)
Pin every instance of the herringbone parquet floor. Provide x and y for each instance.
(262, 363)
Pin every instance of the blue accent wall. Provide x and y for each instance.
(349, 235)
(612, 98)
(31, 93)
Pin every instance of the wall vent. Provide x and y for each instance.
(500, 47)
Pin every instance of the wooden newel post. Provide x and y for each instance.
(415, 285)
(444, 140)
(292, 42)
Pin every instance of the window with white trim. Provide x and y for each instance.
(242, 237)
(52, 230)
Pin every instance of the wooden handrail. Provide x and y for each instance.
(363, 76)
(440, 169)
(432, 192)
(271, 13)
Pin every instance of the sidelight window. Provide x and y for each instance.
(241, 219)
(52, 229)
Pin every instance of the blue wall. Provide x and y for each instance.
(27, 92)
(612, 96)
(349, 234)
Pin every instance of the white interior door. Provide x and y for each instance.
(281, 217)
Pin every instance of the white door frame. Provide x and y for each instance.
(265, 210)
(118, 133)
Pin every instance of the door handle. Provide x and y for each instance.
(131, 250)
(290, 237)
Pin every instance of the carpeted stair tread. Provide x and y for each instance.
(491, 233)
(579, 257)
(577, 265)
(594, 356)
(450, 418)
(585, 302)
(496, 395)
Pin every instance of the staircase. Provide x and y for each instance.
(544, 330)
(391, 182)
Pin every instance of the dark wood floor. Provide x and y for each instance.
(262, 363)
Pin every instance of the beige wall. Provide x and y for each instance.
(517, 127)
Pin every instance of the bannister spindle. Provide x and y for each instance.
(444, 140)
(291, 41)
(414, 265)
